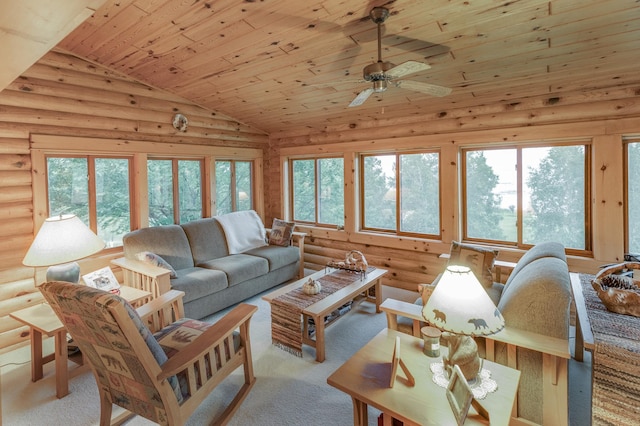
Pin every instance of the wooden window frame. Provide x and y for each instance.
(361, 198)
(587, 251)
(233, 189)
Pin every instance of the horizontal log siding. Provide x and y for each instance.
(67, 96)
(602, 117)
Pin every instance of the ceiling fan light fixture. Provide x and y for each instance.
(379, 86)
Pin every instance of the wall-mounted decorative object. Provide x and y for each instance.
(180, 122)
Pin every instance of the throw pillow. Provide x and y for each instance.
(281, 232)
(478, 259)
(155, 260)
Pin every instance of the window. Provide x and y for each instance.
(318, 191)
(633, 197)
(175, 191)
(401, 193)
(526, 195)
(106, 209)
(234, 186)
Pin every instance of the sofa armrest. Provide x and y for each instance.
(392, 308)
(555, 367)
(144, 276)
(297, 239)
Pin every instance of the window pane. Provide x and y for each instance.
(331, 191)
(112, 199)
(633, 196)
(190, 190)
(244, 195)
(68, 186)
(419, 193)
(223, 187)
(304, 190)
(379, 192)
(554, 195)
(491, 194)
(160, 177)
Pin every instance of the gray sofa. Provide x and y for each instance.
(535, 302)
(211, 278)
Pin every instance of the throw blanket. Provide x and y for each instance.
(244, 231)
(286, 310)
(616, 362)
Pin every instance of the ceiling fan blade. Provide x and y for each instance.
(418, 86)
(407, 68)
(362, 96)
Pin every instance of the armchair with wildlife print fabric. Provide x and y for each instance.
(130, 365)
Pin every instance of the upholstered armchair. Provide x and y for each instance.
(162, 376)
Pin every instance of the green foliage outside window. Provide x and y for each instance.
(234, 189)
(160, 184)
(318, 190)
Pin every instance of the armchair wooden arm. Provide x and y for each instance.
(144, 276)
(392, 308)
(162, 310)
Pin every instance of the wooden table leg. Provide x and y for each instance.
(61, 356)
(378, 295)
(36, 355)
(319, 321)
(578, 353)
(360, 414)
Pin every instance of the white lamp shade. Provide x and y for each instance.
(459, 304)
(62, 239)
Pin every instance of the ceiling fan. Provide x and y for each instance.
(383, 73)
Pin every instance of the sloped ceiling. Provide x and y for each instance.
(287, 66)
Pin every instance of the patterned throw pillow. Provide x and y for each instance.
(478, 259)
(281, 232)
(155, 260)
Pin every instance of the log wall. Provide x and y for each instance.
(62, 95)
(602, 118)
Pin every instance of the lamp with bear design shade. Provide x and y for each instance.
(461, 306)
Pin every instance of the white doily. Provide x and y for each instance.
(480, 386)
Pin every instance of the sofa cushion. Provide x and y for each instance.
(206, 239)
(199, 282)
(281, 232)
(479, 259)
(168, 241)
(277, 256)
(238, 267)
(546, 249)
(538, 298)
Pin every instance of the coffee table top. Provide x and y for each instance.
(330, 301)
(365, 376)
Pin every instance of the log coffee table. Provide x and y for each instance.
(322, 308)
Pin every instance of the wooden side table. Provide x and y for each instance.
(365, 377)
(43, 321)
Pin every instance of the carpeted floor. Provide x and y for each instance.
(288, 391)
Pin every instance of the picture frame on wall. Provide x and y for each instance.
(102, 279)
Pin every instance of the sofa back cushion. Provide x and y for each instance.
(538, 298)
(207, 239)
(546, 249)
(167, 241)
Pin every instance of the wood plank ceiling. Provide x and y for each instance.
(292, 66)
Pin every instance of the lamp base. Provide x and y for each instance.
(69, 272)
(463, 351)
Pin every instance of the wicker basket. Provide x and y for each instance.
(618, 293)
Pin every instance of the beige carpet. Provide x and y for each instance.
(288, 391)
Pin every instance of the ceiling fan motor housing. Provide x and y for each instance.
(377, 71)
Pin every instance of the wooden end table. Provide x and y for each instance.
(43, 321)
(319, 310)
(365, 377)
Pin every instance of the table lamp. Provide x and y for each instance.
(461, 306)
(59, 243)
